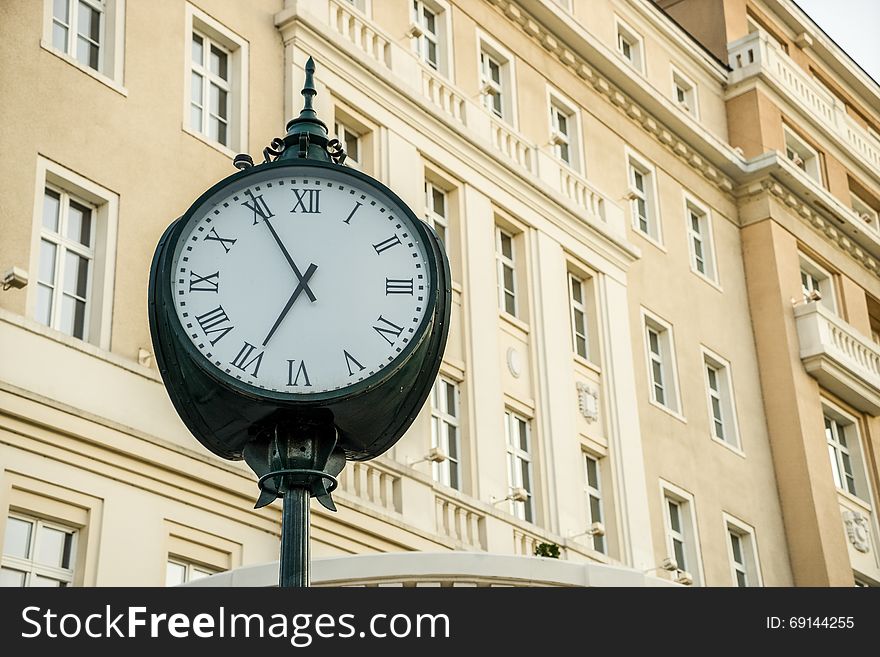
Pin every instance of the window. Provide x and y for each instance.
(593, 491)
(37, 553)
(506, 269)
(722, 413)
(216, 83)
(743, 553)
(496, 80)
(642, 198)
(179, 571)
(802, 155)
(866, 212)
(700, 242)
(436, 212)
(629, 45)
(684, 93)
(351, 142)
(661, 368)
(681, 537)
(429, 30)
(845, 453)
(577, 290)
(88, 33)
(73, 251)
(67, 254)
(519, 463)
(817, 284)
(564, 130)
(360, 5)
(445, 416)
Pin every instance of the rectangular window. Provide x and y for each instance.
(445, 419)
(629, 45)
(351, 142)
(844, 452)
(817, 284)
(506, 270)
(702, 250)
(519, 463)
(684, 93)
(436, 211)
(681, 537)
(642, 199)
(722, 411)
(180, 571)
(37, 553)
(867, 213)
(743, 553)
(802, 155)
(577, 290)
(67, 254)
(661, 367)
(593, 491)
(429, 31)
(492, 84)
(216, 84)
(78, 28)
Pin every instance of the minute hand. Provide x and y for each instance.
(303, 285)
(290, 261)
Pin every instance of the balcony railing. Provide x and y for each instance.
(757, 54)
(839, 357)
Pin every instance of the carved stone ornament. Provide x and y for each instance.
(588, 401)
(857, 530)
(514, 362)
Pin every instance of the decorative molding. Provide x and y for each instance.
(857, 530)
(514, 362)
(617, 98)
(820, 224)
(588, 401)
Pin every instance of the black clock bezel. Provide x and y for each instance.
(296, 167)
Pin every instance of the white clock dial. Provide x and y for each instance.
(301, 282)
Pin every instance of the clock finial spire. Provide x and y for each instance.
(307, 134)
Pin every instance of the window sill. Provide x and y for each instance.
(97, 75)
(649, 238)
(515, 322)
(678, 416)
(225, 150)
(585, 363)
(733, 448)
(858, 501)
(707, 280)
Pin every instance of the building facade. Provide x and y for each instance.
(662, 226)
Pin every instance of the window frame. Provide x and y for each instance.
(751, 564)
(506, 85)
(689, 529)
(726, 398)
(560, 104)
(693, 208)
(579, 307)
(822, 277)
(626, 34)
(855, 450)
(197, 21)
(112, 50)
(105, 218)
(516, 456)
(862, 208)
(654, 229)
(501, 262)
(441, 419)
(594, 491)
(810, 157)
(432, 217)
(440, 9)
(667, 363)
(29, 565)
(690, 104)
(190, 566)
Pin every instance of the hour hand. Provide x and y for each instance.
(303, 286)
(302, 279)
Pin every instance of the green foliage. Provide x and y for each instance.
(550, 550)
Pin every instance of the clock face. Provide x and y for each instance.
(301, 279)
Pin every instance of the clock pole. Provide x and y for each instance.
(298, 459)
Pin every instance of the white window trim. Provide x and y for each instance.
(650, 319)
(731, 423)
(106, 219)
(189, 566)
(510, 417)
(865, 212)
(341, 130)
(30, 566)
(557, 100)
(584, 309)
(237, 46)
(500, 261)
(636, 40)
(744, 530)
(443, 20)
(508, 72)
(673, 492)
(113, 49)
(825, 278)
(853, 427)
(598, 492)
(710, 260)
(813, 171)
(363, 6)
(444, 418)
(652, 201)
(431, 217)
(676, 75)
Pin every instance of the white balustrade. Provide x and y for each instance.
(372, 485)
(512, 145)
(442, 94)
(462, 524)
(357, 30)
